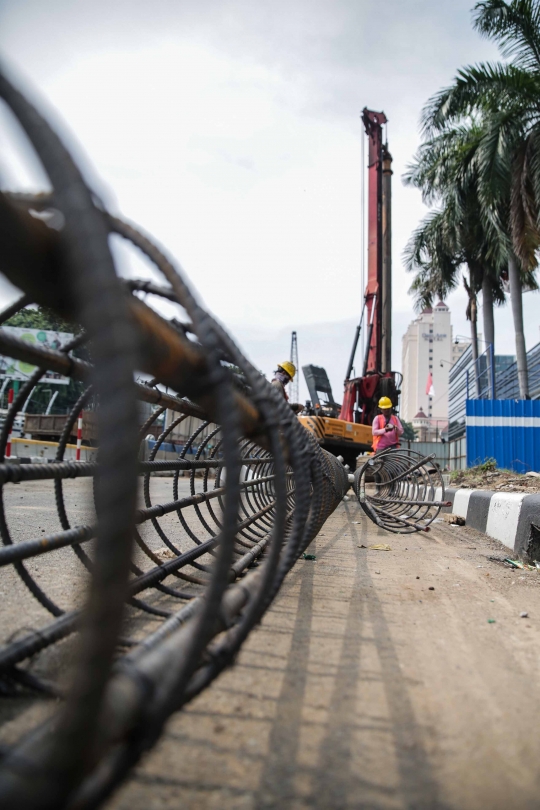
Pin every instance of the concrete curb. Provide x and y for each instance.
(512, 518)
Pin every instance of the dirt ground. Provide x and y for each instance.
(486, 476)
(379, 679)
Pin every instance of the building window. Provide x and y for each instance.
(431, 366)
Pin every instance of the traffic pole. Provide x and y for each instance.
(79, 437)
(8, 445)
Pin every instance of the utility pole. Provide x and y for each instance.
(295, 385)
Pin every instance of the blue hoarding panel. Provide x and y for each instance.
(507, 430)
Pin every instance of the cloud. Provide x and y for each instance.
(230, 130)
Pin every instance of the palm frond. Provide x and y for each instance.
(479, 88)
(480, 160)
(515, 26)
(524, 208)
(432, 253)
(444, 161)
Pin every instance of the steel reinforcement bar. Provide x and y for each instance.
(158, 563)
(397, 489)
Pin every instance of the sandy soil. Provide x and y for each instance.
(497, 480)
(379, 679)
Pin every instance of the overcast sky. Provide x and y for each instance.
(230, 130)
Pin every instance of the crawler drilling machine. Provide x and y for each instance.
(346, 431)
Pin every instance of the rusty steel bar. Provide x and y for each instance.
(241, 494)
(163, 351)
(397, 490)
(226, 507)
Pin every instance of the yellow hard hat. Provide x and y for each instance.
(385, 402)
(288, 367)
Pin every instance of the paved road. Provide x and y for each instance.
(364, 688)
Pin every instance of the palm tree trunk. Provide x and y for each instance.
(489, 327)
(472, 315)
(474, 342)
(517, 314)
(487, 302)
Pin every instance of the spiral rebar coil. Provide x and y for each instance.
(398, 490)
(171, 588)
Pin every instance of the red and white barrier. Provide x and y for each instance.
(79, 437)
(8, 445)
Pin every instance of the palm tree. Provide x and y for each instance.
(436, 252)
(503, 99)
(446, 172)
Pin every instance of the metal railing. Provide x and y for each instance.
(457, 454)
(438, 449)
(450, 455)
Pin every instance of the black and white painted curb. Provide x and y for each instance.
(512, 518)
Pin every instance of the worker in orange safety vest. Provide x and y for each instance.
(386, 427)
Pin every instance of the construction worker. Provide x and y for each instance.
(386, 427)
(282, 377)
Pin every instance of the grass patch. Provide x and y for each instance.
(489, 465)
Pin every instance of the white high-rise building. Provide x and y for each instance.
(427, 349)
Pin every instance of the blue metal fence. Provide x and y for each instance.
(506, 430)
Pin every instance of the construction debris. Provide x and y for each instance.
(165, 554)
(487, 476)
(519, 564)
(455, 520)
(514, 563)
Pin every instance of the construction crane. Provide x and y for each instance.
(295, 385)
(346, 430)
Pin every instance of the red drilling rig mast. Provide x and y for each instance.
(346, 429)
(362, 393)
